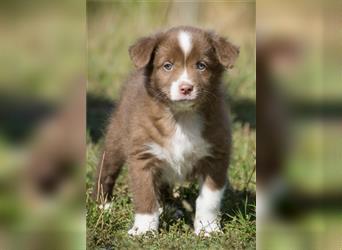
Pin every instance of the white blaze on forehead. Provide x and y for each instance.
(184, 39)
(184, 77)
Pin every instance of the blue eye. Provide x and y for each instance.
(201, 66)
(168, 66)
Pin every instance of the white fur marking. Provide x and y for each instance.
(207, 210)
(184, 39)
(105, 206)
(144, 223)
(174, 89)
(183, 149)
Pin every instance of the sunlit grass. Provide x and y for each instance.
(112, 28)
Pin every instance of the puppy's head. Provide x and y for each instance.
(185, 64)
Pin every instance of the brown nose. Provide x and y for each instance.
(185, 88)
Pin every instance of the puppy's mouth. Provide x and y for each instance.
(185, 103)
(185, 99)
(192, 97)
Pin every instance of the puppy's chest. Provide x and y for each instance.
(182, 149)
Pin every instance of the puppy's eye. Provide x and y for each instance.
(168, 66)
(201, 66)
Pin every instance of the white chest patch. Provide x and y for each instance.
(183, 149)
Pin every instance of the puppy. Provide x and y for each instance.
(171, 125)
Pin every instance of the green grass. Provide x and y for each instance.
(108, 229)
(108, 66)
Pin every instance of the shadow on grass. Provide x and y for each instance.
(243, 111)
(235, 203)
(99, 110)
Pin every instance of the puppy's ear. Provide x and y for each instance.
(141, 51)
(226, 52)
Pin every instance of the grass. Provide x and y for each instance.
(108, 66)
(108, 229)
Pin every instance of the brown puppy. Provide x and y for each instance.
(172, 124)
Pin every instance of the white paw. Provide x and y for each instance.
(135, 231)
(106, 206)
(144, 223)
(207, 211)
(206, 227)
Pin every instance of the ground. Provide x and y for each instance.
(108, 229)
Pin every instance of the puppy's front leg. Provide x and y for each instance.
(144, 197)
(208, 204)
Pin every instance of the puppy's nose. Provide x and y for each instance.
(185, 88)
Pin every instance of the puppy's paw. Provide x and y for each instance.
(144, 223)
(136, 231)
(206, 227)
(106, 206)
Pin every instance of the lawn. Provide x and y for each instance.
(108, 66)
(108, 229)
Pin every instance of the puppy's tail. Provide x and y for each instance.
(108, 171)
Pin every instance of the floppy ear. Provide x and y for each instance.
(226, 52)
(141, 51)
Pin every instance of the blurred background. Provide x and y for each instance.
(299, 117)
(297, 73)
(112, 27)
(42, 124)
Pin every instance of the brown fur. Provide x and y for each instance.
(146, 114)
